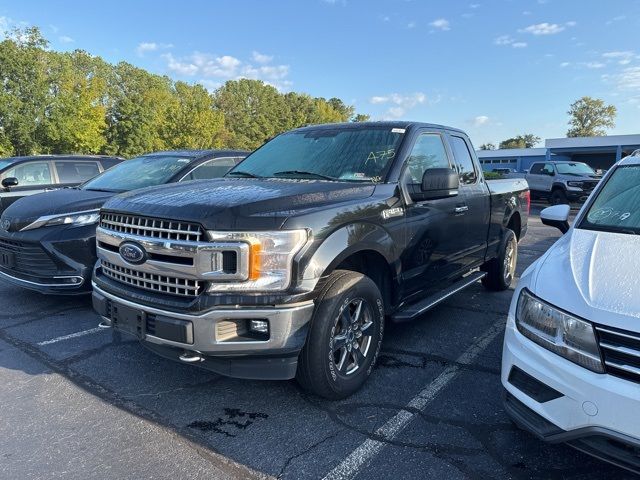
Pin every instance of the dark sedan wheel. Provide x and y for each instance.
(344, 338)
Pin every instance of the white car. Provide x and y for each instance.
(571, 358)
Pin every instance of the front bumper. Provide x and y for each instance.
(51, 260)
(595, 413)
(216, 339)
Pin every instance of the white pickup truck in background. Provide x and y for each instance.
(561, 182)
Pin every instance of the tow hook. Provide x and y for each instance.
(190, 357)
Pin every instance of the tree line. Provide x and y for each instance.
(74, 102)
(588, 117)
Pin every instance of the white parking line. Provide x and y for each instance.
(351, 465)
(71, 335)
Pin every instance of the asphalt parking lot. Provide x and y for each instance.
(81, 402)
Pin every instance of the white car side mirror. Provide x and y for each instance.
(556, 216)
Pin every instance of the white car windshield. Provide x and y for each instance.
(617, 206)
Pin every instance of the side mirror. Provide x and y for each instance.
(439, 183)
(10, 182)
(556, 216)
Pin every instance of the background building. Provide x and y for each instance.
(598, 152)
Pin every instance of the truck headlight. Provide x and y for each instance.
(87, 217)
(575, 184)
(270, 258)
(558, 331)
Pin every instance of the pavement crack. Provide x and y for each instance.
(307, 450)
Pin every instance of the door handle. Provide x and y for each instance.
(461, 209)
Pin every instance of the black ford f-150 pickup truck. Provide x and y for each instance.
(289, 265)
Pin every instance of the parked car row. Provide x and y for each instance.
(287, 263)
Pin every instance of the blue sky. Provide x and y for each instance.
(494, 68)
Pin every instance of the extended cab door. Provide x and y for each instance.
(434, 228)
(474, 194)
(33, 177)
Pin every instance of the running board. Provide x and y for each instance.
(413, 310)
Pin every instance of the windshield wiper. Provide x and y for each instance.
(241, 173)
(305, 174)
(102, 190)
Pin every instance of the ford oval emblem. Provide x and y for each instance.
(133, 253)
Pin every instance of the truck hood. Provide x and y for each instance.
(28, 209)
(237, 204)
(594, 276)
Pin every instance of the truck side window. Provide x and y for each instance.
(548, 169)
(427, 153)
(536, 169)
(463, 159)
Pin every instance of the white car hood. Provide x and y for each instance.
(594, 275)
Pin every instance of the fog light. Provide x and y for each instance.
(259, 326)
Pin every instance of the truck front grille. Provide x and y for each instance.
(620, 352)
(182, 287)
(151, 227)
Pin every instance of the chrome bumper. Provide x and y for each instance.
(287, 327)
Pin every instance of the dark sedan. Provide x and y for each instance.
(47, 241)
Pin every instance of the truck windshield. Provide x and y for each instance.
(617, 206)
(358, 154)
(145, 171)
(578, 169)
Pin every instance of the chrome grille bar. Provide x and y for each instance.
(157, 283)
(620, 352)
(151, 227)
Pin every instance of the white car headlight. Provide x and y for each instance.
(87, 217)
(270, 258)
(558, 331)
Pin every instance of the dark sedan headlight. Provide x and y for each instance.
(87, 217)
(558, 331)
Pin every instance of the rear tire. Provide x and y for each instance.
(559, 197)
(344, 337)
(501, 270)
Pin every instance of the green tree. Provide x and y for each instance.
(75, 117)
(527, 140)
(192, 121)
(24, 90)
(138, 111)
(253, 111)
(590, 117)
(302, 108)
(487, 146)
(361, 117)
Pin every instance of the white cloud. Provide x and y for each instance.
(474, 5)
(505, 40)
(146, 47)
(480, 120)
(411, 25)
(441, 24)
(399, 103)
(622, 57)
(619, 18)
(594, 65)
(526, 12)
(628, 80)
(543, 29)
(565, 64)
(65, 39)
(261, 57)
(213, 69)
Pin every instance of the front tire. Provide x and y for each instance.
(501, 270)
(344, 337)
(559, 197)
